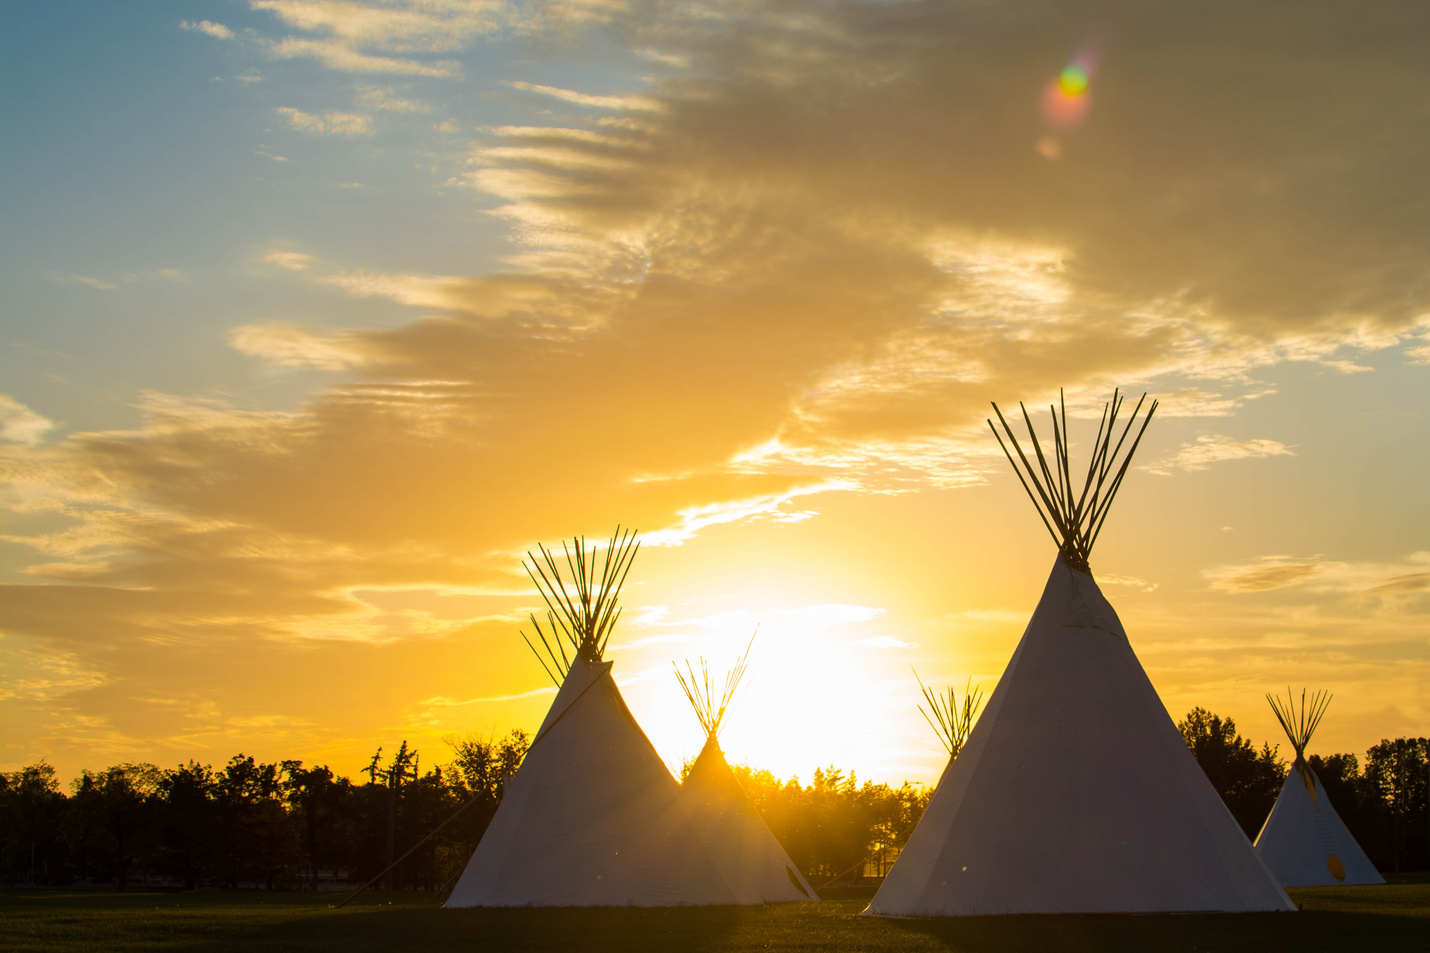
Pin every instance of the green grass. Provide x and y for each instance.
(1393, 917)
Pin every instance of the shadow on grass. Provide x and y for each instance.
(1303, 932)
(394, 927)
(1392, 917)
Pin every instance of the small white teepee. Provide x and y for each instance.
(951, 719)
(1304, 841)
(592, 817)
(752, 861)
(1075, 792)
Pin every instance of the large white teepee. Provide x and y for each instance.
(592, 817)
(752, 861)
(1075, 792)
(1304, 841)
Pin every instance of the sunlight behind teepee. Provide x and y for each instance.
(813, 693)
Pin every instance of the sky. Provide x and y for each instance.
(317, 315)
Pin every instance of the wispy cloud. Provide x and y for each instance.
(216, 30)
(423, 291)
(328, 124)
(1132, 582)
(1217, 448)
(339, 56)
(398, 37)
(62, 277)
(636, 103)
(886, 642)
(287, 259)
(442, 701)
(1271, 572)
(20, 424)
(295, 347)
(386, 100)
(1324, 575)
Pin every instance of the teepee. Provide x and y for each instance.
(1304, 841)
(592, 817)
(1075, 792)
(752, 861)
(951, 719)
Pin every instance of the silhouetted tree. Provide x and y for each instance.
(1248, 780)
(31, 805)
(478, 773)
(188, 820)
(404, 768)
(122, 798)
(247, 795)
(277, 824)
(832, 826)
(1398, 771)
(315, 797)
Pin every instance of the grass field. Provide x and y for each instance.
(1393, 917)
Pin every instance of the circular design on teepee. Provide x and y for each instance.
(1337, 869)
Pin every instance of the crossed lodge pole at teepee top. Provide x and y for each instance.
(1074, 519)
(581, 620)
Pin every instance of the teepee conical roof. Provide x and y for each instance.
(756, 867)
(1304, 841)
(1075, 792)
(592, 817)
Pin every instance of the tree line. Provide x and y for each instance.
(287, 825)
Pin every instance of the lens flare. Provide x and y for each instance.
(1072, 81)
(1062, 111)
(1067, 97)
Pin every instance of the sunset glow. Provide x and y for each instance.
(319, 316)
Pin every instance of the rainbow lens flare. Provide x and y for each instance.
(1066, 97)
(1072, 81)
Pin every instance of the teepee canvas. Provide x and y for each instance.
(752, 861)
(1075, 792)
(1304, 841)
(592, 817)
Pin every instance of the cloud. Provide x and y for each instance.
(1134, 582)
(1409, 582)
(216, 30)
(61, 277)
(423, 291)
(886, 642)
(1325, 576)
(695, 518)
(20, 424)
(624, 103)
(830, 614)
(396, 37)
(294, 347)
(442, 701)
(339, 56)
(1216, 448)
(288, 259)
(328, 124)
(1272, 573)
(386, 100)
